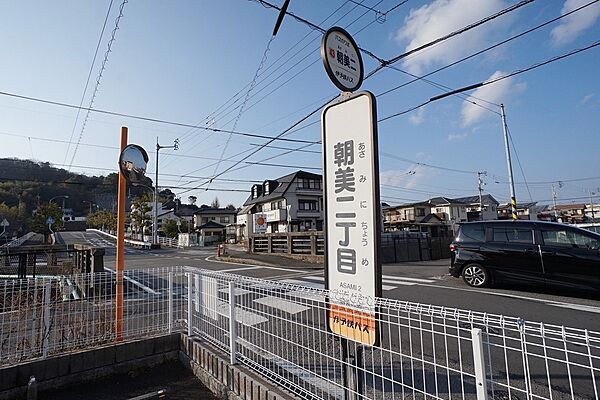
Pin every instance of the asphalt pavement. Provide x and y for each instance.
(420, 282)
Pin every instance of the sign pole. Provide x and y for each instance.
(120, 263)
(352, 213)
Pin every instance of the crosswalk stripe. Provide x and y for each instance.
(402, 278)
(383, 287)
(281, 304)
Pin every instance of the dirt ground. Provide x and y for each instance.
(178, 381)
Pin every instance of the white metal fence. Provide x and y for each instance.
(280, 331)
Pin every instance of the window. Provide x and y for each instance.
(305, 183)
(420, 212)
(568, 238)
(509, 234)
(307, 205)
(225, 220)
(439, 210)
(471, 233)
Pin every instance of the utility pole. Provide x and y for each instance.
(554, 202)
(592, 205)
(513, 199)
(480, 189)
(155, 208)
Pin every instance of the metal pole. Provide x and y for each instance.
(592, 205)
(47, 292)
(170, 302)
(155, 213)
(513, 199)
(479, 364)
(189, 303)
(232, 326)
(120, 262)
(554, 202)
(353, 384)
(480, 196)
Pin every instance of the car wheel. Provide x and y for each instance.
(475, 275)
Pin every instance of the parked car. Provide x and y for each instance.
(529, 252)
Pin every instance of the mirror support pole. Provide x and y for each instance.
(120, 263)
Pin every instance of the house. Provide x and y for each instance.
(528, 211)
(291, 203)
(448, 210)
(570, 213)
(592, 212)
(213, 222)
(398, 216)
(474, 207)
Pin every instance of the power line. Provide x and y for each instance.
(460, 31)
(461, 171)
(485, 83)
(146, 119)
(87, 82)
(514, 37)
(99, 78)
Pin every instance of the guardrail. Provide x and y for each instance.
(280, 331)
(131, 242)
(164, 241)
(19, 241)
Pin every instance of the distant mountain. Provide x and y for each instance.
(26, 184)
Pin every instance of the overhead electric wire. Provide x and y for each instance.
(87, 82)
(491, 81)
(526, 32)
(519, 162)
(99, 77)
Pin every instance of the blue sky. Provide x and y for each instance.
(182, 60)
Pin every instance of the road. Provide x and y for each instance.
(419, 282)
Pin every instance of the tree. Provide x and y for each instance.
(103, 219)
(39, 223)
(215, 203)
(11, 215)
(140, 219)
(192, 199)
(231, 207)
(169, 227)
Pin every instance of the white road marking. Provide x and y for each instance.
(243, 316)
(383, 287)
(136, 283)
(402, 278)
(281, 304)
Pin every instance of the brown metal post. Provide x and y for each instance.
(120, 245)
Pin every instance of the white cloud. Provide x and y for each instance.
(586, 99)
(572, 26)
(439, 18)
(418, 117)
(496, 93)
(457, 136)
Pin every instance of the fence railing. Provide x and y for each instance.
(19, 241)
(281, 332)
(299, 243)
(168, 242)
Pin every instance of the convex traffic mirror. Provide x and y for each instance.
(133, 162)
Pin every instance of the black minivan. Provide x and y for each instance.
(529, 252)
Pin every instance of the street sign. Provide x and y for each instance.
(260, 223)
(4, 223)
(352, 217)
(50, 221)
(342, 59)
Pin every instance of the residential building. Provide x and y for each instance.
(474, 209)
(213, 221)
(527, 211)
(570, 213)
(291, 203)
(592, 212)
(448, 210)
(397, 216)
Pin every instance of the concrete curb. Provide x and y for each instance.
(231, 382)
